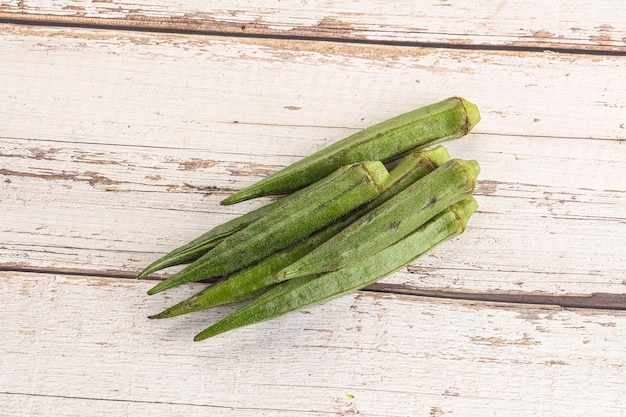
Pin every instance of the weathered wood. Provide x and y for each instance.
(521, 24)
(123, 148)
(117, 145)
(81, 342)
(148, 202)
(198, 92)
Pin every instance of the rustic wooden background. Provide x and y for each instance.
(123, 124)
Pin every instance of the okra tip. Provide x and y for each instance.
(209, 332)
(237, 198)
(472, 113)
(161, 286)
(165, 314)
(153, 267)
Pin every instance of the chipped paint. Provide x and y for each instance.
(525, 340)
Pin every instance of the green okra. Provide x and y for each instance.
(338, 194)
(391, 130)
(298, 293)
(193, 250)
(447, 119)
(244, 284)
(453, 181)
(249, 282)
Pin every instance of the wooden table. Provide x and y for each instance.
(123, 124)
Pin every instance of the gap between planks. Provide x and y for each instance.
(185, 28)
(125, 400)
(592, 301)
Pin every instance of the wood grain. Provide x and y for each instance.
(453, 353)
(286, 85)
(571, 25)
(126, 125)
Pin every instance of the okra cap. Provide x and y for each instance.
(472, 112)
(463, 210)
(438, 155)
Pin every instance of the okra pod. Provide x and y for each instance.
(244, 284)
(301, 292)
(345, 190)
(448, 119)
(193, 250)
(453, 181)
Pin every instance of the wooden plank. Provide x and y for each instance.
(21, 405)
(53, 189)
(184, 91)
(84, 342)
(121, 125)
(525, 24)
(117, 146)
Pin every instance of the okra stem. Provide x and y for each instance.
(349, 188)
(300, 292)
(244, 284)
(445, 120)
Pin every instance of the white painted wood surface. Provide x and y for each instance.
(527, 23)
(117, 145)
(113, 125)
(83, 345)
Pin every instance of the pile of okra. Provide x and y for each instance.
(345, 221)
